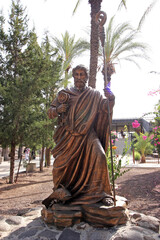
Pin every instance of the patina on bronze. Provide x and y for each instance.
(80, 173)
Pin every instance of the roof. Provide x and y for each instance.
(118, 124)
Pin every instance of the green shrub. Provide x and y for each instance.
(117, 163)
(137, 156)
(142, 143)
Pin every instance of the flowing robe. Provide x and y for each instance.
(80, 162)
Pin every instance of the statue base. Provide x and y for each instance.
(96, 215)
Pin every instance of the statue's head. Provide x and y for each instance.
(80, 75)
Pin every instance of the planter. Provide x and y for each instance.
(31, 167)
(1, 159)
(137, 161)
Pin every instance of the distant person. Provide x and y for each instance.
(27, 152)
(122, 134)
(33, 155)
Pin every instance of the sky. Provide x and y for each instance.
(129, 84)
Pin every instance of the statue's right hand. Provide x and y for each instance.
(62, 108)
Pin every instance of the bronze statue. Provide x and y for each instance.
(80, 173)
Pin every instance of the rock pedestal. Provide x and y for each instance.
(31, 226)
(62, 216)
(96, 215)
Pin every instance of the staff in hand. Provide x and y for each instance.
(101, 18)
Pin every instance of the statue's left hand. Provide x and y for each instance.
(108, 94)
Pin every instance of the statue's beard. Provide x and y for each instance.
(80, 85)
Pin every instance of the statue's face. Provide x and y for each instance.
(80, 79)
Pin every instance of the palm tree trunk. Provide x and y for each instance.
(12, 158)
(94, 42)
(143, 159)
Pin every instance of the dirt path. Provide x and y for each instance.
(140, 186)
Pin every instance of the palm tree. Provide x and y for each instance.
(68, 49)
(143, 145)
(94, 42)
(121, 44)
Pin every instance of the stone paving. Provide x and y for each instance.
(32, 227)
(5, 166)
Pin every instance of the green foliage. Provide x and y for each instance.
(29, 76)
(117, 163)
(121, 43)
(155, 136)
(156, 139)
(12, 100)
(142, 143)
(156, 129)
(117, 166)
(68, 49)
(137, 155)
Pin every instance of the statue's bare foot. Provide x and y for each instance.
(59, 195)
(108, 201)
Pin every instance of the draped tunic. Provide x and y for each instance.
(80, 163)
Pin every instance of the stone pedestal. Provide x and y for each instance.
(62, 215)
(96, 215)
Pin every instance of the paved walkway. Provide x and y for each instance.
(5, 165)
(150, 163)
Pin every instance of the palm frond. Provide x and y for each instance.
(77, 5)
(122, 3)
(131, 59)
(121, 44)
(117, 36)
(68, 49)
(132, 47)
(108, 46)
(147, 11)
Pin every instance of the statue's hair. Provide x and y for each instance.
(81, 67)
